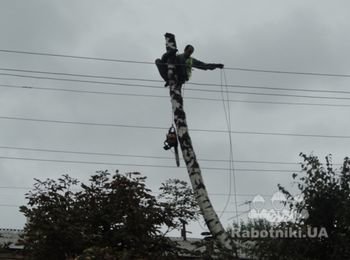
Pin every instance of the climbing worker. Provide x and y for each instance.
(184, 64)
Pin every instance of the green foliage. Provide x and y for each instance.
(54, 229)
(115, 216)
(325, 194)
(270, 248)
(179, 201)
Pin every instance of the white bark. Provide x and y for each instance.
(211, 218)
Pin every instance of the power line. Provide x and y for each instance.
(75, 57)
(153, 192)
(81, 75)
(15, 188)
(148, 86)
(92, 92)
(188, 83)
(290, 72)
(10, 205)
(141, 165)
(135, 156)
(17, 206)
(160, 96)
(152, 63)
(81, 81)
(164, 128)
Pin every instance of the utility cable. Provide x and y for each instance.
(188, 83)
(142, 165)
(227, 115)
(160, 96)
(148, 86)
(74, 56)
(152, 63)
(231, 149)
(138, 156)
(163, 128)
(153, 192)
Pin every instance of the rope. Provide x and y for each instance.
(232, 175)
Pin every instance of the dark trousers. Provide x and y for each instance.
(162, 64)
(162, 68)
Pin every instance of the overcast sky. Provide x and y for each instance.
(296, 36)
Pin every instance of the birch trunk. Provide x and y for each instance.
(211, 218)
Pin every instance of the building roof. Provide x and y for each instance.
(11, 237)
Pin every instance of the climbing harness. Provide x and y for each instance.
(171, 141)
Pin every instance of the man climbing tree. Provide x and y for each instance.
(184, 64)
(169, 68)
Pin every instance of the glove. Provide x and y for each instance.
(213, 66)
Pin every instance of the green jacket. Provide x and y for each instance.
(184, 67)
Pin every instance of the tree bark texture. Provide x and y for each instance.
(211, 218)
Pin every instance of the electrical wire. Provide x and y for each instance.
(136, 156)
(74, 56)
(31, 87)
(153, 192)
(164, 128)
(187, 83)
(232, 175)
(10, 206)
(157, 87)
(18, 205)
(227, 115)
(290, 72)
(142, 165)
(15, 188)
(152, 63)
